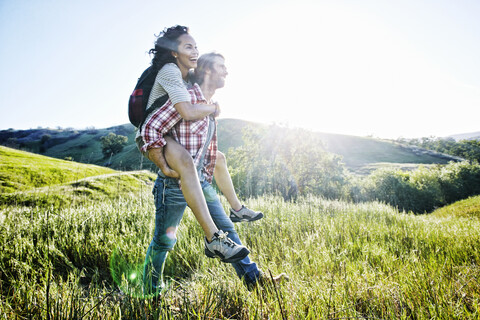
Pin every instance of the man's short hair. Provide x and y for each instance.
(205, 62)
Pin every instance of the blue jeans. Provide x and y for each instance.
(169, 208)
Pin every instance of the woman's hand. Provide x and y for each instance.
(217, 110)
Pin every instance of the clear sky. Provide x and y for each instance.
(406, 68)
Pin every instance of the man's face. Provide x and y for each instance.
(219, 72)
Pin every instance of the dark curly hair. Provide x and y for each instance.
(167, 41)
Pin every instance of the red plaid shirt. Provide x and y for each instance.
(192, 135)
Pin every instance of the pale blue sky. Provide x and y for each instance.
(388, 68)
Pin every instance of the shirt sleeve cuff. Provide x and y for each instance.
(159, 143)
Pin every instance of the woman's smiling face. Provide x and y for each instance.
(187, 53)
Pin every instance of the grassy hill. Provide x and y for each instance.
(20, 170)
(363, 154)
(467, 208)
(31, 179)
(360, 154)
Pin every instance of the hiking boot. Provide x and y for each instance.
(265, 281)
(245, 214)
(224, 248)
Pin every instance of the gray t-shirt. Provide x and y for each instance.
(169, 81)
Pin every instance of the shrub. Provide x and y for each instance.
(421, 190)
(460, 180)
(112, 144)
(390, 186)
(427, 193)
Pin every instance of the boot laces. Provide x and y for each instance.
(223, 237)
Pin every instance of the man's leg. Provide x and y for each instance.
(245, 268)
(238, 212)
(169, 208)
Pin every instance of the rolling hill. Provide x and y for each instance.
(467, 208)
(360, 154)
(20, 170)
(32, 179)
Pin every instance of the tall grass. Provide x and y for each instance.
(344, 261)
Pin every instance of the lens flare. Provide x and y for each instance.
(127, 274)
(171, 232)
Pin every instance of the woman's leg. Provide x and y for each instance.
(238, 212)
(224, 182)
(181, 161)
(217, 245)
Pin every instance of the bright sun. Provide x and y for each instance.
(332, 69)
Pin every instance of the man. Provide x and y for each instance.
(209, 76)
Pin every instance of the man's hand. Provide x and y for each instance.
(156, 156)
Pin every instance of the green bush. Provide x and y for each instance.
(392, 187)
(291, 165)
(113, 144)
(459, 180)
(421, 190)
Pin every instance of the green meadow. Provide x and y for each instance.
(74, 237)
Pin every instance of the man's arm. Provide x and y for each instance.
(157, 157)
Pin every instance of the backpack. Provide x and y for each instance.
(137, 104)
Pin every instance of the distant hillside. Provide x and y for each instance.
(466, 136)
(78, 145)
(360, 154)
(363, 154)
